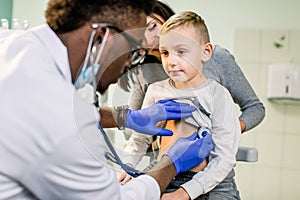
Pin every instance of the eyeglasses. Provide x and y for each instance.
(137, 53)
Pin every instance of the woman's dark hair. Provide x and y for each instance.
(67, 15)
(163, 10)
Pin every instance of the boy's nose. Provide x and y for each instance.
(172, 59)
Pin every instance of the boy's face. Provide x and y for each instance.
(183, 55)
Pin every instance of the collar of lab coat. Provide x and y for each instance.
(56, 48)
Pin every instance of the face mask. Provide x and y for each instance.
(86, 76)
(88, 73)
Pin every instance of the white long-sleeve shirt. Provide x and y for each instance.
(223, 124)
(50, 146)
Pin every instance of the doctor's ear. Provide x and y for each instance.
(100, 35)
(207, 52)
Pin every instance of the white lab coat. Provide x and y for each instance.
(50, 147)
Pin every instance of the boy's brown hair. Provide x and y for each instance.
(187, 18)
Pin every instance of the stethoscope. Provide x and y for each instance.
(114, 157)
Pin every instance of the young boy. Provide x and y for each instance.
(184, 47)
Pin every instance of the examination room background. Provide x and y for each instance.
(248, 29)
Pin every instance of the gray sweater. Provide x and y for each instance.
(222, 68)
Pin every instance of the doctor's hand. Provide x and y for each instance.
(145, 120)
(189, 152)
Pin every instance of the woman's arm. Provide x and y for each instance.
(223, 68)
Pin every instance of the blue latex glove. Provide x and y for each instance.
(145, 120)
(189, 152)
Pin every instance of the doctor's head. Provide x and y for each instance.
(105, 29)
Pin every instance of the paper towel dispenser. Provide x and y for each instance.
(284, 82)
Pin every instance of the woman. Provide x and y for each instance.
(221, 67)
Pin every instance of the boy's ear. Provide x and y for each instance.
(208, 49)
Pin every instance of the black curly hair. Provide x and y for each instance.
(67, 15)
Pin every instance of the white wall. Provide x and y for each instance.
(31, 10)
(277, 138)
(224, 16)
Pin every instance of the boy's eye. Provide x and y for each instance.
(181, 52)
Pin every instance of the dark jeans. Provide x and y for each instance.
(226, 190)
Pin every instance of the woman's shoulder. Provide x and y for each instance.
(220, 52)
(223, 60)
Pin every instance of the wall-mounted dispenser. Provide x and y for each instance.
(284, 83)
